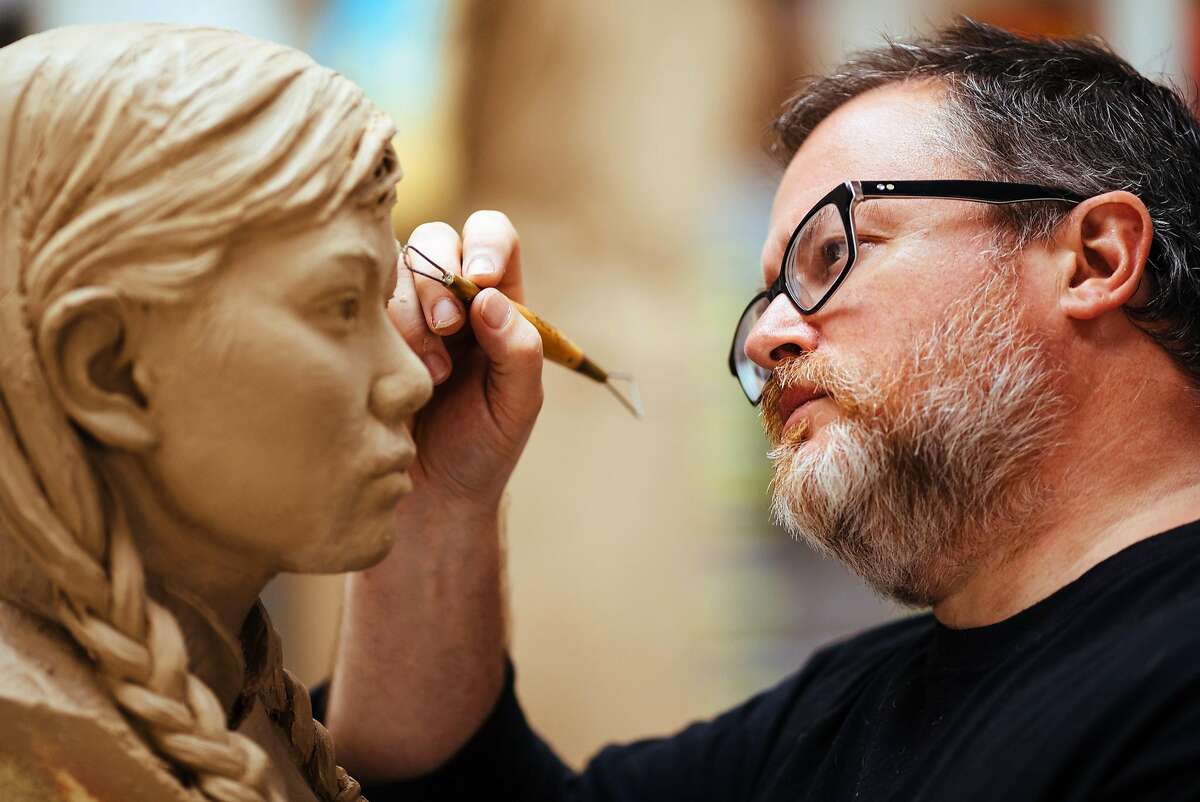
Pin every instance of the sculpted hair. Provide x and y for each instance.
(1060, 112)
(133, 156)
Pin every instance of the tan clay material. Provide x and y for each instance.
(200, 388)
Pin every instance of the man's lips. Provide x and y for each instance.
(794, 398)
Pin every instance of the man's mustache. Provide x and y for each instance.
(844, 386)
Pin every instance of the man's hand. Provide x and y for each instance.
(420, 659)
(489, 391)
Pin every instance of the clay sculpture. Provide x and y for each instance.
(200, 388)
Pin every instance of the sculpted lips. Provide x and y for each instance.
(397, 462)
(795, 397)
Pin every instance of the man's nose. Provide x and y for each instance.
(781, 333)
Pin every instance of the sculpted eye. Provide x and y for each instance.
(342, 311)
(348, 309)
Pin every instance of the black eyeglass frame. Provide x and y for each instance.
(847, 195)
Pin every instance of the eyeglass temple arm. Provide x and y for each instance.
(979, 191)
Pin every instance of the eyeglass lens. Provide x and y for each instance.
(817, 256)
(750, 374)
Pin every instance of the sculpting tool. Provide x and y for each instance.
(555, 345)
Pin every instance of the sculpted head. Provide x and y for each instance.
(197, 254)
(198, 369)
(973, 351)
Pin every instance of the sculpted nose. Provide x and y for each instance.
(397, 395)
(781, 333)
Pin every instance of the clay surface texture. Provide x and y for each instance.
(201, 388)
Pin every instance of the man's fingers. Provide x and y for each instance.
(515, 350)
(443, 312)
(492, 253)
(490, 250)
(404, 310)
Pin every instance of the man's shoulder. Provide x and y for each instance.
(876, 643)
(1143, 627)
(1159, 649)
(840, 666)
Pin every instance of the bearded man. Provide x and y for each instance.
(976, 357)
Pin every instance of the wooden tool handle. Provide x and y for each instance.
(555, 345)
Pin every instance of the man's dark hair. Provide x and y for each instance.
(1066, 113)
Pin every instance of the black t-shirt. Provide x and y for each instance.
(1091, 694)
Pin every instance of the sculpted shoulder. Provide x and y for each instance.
(64, 739)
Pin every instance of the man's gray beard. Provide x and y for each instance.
(933, 464)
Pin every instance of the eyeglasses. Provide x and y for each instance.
(824, 246)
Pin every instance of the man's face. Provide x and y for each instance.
(281, 394)
(909, 415)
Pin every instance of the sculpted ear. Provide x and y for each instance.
(1110, 236)
(84, 342)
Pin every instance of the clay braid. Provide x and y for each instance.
(71, 171)
(101, 598)
(286, 702)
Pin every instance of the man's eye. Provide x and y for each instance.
(865, 246)
(834, 252)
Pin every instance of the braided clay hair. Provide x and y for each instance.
(131, 156)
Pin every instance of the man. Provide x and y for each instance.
(977, 357)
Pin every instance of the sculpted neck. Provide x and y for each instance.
(210, 587)
(1128, 469)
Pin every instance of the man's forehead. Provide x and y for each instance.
(896, 131)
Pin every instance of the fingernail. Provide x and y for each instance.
(445, 313)
(437, 365)
(480, 267)
(495, 310)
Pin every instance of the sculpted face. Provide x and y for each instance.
(940, 399)
(280, 395)
(201, 388)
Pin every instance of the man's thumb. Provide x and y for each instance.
(514, 348)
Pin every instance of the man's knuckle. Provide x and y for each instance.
(534, 344)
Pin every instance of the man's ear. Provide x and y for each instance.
(1110, 238)
(84, 341)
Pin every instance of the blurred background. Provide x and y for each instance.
(625, 140)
